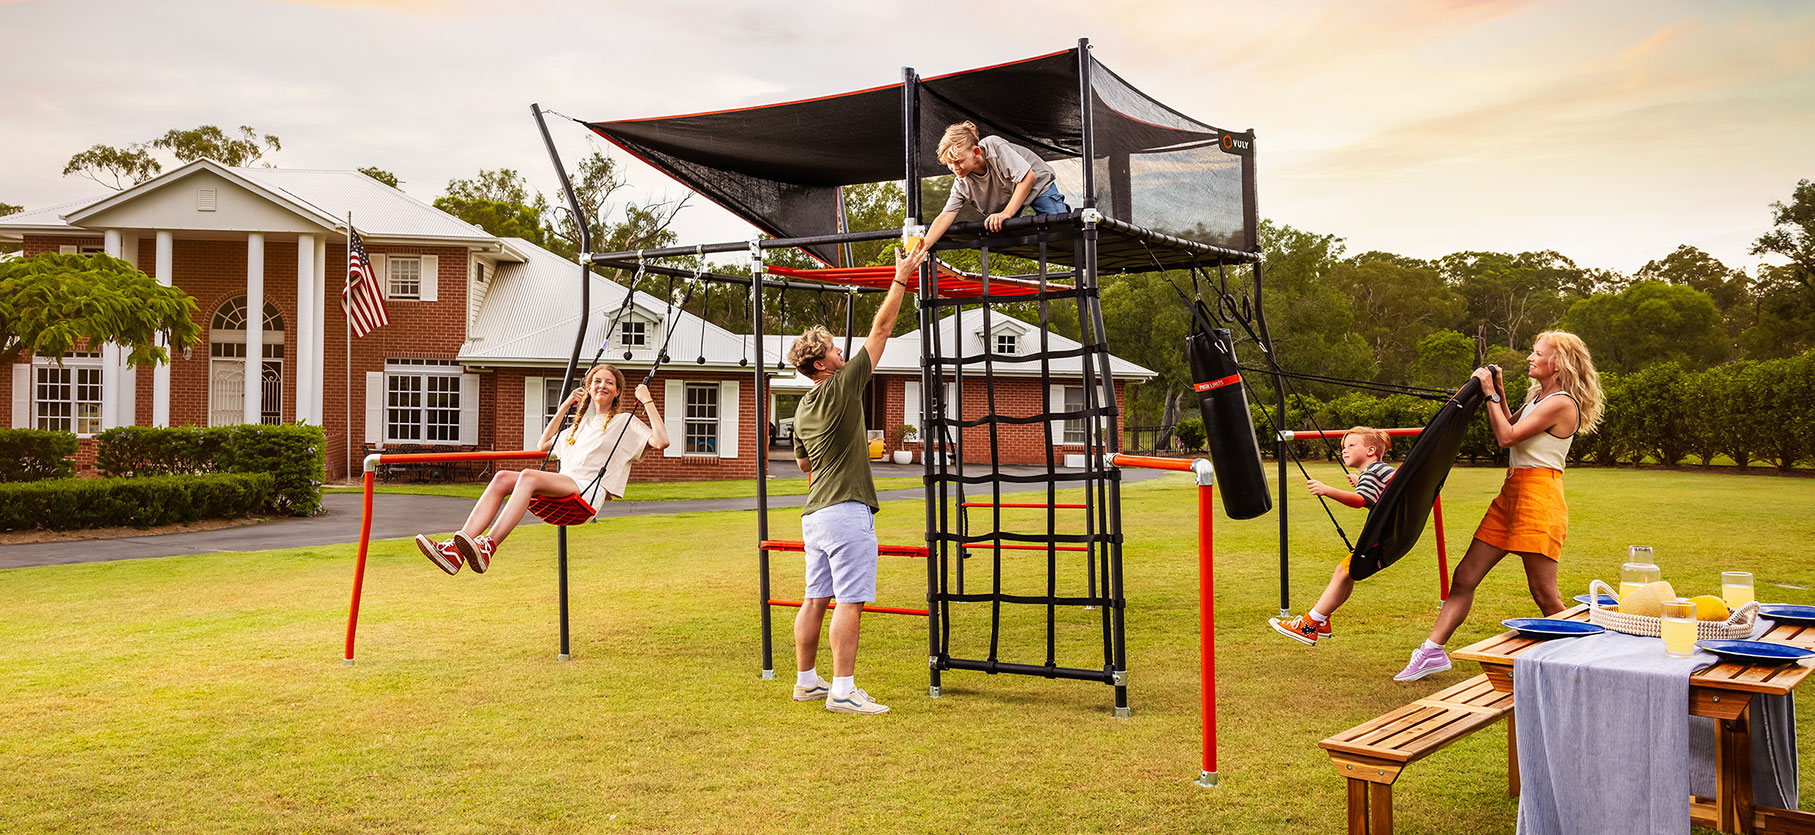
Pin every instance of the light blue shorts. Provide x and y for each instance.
(841, 552)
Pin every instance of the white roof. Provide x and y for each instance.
(531, 312)
(903, 353)
(378, 211)
(49, 218)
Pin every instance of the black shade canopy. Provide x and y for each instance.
(779, 166)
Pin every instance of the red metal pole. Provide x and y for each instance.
(1442, 550)
(1206, 624)
(359, 571)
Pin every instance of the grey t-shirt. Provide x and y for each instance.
(1005, 164)
(829, 432)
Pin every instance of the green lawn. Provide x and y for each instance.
(652, 491)
(205, 693)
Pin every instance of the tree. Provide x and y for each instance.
(1515, 296)
(1691, 267)
(51, 303)
(8, 209)
(1312, 323)
(501, 218)
(1445, 359)
(1649, 322)
(1793, 234)
(1397, 302)
(1783, 316)
(380, 175)
(213, 143)
(115, 168)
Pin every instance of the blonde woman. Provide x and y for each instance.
(601, 440)
(1529, 517)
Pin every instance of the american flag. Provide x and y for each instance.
(360, 300)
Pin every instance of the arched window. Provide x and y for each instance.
(227, 372)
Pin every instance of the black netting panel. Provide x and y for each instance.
(1159, 169)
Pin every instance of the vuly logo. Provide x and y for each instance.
(1237, 145)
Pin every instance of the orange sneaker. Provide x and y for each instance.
(1323, 629)
(1300, 628)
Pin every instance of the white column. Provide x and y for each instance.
(160, 377)
(129, 375)
(304, 328)
(110, 352)
(319, 339)
(255, 325)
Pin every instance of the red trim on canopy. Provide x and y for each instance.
(952, 285)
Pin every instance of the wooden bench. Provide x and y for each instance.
(1371, 755)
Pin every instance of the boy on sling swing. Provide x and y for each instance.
(1362, 449)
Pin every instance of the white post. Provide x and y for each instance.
(304, 328)
(319, 339)
(255, 326)
(160, 377)
(129, 374)
(110, 352)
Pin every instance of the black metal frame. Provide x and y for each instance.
(944, 470)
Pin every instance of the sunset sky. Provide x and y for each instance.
(1611, 132)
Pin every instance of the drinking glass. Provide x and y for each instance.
(1678, 627)
(1636, 574)
(1736, 588)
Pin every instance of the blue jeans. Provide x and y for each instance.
(1049, 202)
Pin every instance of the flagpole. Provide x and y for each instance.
(348, 317)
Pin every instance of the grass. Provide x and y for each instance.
(205, 693)
(653, 491)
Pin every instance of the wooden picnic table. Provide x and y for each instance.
(1723, 692)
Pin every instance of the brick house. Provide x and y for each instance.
(479, 335)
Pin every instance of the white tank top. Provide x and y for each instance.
(1543, 449)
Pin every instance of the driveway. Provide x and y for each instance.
(402, 516)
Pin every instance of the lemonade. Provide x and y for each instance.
(1736, 595)
(1679, 636)
(1628, 588)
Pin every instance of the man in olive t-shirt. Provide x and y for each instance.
(838, 524)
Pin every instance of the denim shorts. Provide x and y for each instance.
(1049, 202)
(841, 552)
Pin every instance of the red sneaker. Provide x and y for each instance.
(443, 554)
(1300, 628)
(477, 550)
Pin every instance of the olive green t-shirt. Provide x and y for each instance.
(829, 432)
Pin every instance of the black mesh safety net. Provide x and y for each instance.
(1161, 174)
(1397, 521)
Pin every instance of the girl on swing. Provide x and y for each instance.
(595, 454)
(1529, 517)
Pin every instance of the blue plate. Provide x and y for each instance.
(1550, 628)
(1607, 600)
(1755, 652)
(1788, 613)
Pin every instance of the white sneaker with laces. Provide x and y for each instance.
(857, 702)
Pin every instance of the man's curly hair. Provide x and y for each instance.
(809, 348)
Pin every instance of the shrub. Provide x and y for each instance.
(293, 454)
(74, 503)
(34, 454)
(1191, 433)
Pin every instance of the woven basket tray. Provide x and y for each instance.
(1737, 626)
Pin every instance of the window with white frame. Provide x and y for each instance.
(1008, 343)
(422, 401)
(67, 396)
(404, 275)
(552, 398)
(1075, 432)
(633, 334)
(702, 419)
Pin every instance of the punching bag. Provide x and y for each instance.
(1228, 426)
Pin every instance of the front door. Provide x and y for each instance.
(227, 392)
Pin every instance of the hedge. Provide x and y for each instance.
(34, 454)
(1663, 413)
(73, 503)
(293, 454)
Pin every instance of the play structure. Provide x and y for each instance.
(1150, 190)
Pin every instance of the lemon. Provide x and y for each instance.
(1647, 600)
(1710, 607)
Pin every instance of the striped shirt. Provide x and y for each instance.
(1373, 480)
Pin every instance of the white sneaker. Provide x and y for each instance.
(817, 692)
(857, 702)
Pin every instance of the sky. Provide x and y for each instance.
(1611, 132)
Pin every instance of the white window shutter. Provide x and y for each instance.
(674, 416)
(1055, 403)
(22, 395)
(952, 408)
(469, 410)
(431, 266)
(533, 409)
(375, 408)
(910, 403)
(728, 421)
(380, 274)
(67, 249)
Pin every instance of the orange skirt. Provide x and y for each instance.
(1529, 516)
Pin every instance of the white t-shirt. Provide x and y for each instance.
(1006, 163)
(597, 446)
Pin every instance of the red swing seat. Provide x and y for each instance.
(562, 510)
